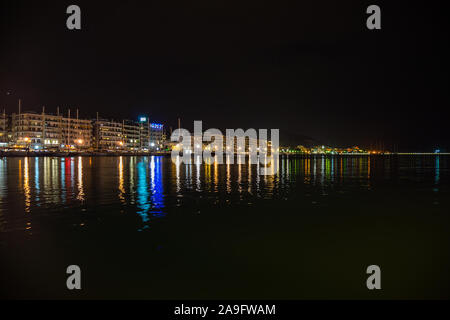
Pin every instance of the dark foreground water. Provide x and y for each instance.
(143, 227)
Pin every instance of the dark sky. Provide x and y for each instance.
(307, 67)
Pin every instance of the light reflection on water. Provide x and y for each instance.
(149, 186)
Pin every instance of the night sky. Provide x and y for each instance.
(309, 68)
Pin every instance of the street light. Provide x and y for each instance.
(27, 142)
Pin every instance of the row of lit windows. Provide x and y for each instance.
(51, 141)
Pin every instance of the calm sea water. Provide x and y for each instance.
(144, 227)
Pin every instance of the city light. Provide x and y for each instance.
(156, 126)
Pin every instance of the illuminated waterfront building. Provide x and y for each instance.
(126, 135)
(4, 130)
(144, 129)
(136, 134)
(76, 133)
(48, 131)
(43, 131)
(131, 135)
(36, 131)
(52, 131)
(156, 136)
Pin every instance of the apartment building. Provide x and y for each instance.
(131, 135)
(52, 133)
(108, 135)
(38, 131)
(27, 130)
(48, 131)
(137, 134)
(157, 136)
(77, 133)
(4, 123)
(126, 135)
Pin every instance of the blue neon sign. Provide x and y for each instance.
(156, 126)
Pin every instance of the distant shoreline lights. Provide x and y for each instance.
(245, 144)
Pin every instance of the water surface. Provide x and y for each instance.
(144, 227)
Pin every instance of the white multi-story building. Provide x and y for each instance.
(157, 136)
(108, 135)
(48, 131)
